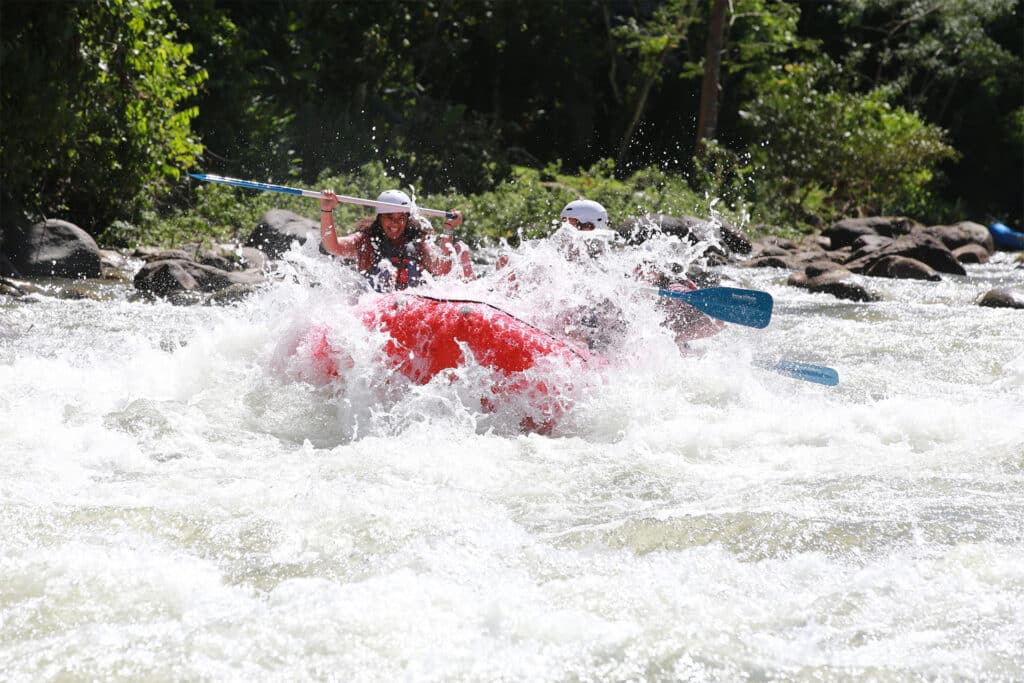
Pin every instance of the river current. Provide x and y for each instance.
(177, 503)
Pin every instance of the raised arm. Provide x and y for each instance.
(347, 247)
(442, 264)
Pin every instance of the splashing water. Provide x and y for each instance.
(177, 502)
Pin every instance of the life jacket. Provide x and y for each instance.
(404, 260)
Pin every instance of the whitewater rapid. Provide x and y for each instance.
(176, 503)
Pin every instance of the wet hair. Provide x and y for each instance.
(371, 227)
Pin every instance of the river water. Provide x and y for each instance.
(176, 503)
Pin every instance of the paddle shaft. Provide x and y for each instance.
(313, 194)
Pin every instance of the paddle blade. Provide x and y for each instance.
(740, 306)
(819, 374)
(251, 185)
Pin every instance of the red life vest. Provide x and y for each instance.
(408, 259)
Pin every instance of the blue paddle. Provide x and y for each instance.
(740, 306)
(819, 374)
(267, 187)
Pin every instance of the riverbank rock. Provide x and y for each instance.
(971, 253)
(278, 228)
(900, 267)
(53, 248)
(9, 287)
(962, 234)
(918, 246)
(167, 276)
(690, 228)
(1003, 297)
(845, 232)
(829, 278)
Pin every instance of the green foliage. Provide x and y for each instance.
(96, 124)
(525, 205)
(103, 103)
(923, 48)
(862, 153)
(221, 213)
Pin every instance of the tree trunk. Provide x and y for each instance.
(707, 119)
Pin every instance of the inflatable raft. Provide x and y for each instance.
(427, 336)
(1005, 238)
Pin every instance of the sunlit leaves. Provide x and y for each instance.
(864, 153)
(124, 132)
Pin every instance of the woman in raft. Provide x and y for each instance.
(394, 248)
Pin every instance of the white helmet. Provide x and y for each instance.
(394, 197)
(586, 211)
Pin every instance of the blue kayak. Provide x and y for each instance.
(1005, 238)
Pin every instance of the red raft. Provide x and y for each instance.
(427, 336)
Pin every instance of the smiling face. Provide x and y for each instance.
(575, 222)
(394, 225)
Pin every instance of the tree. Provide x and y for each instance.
(863, 154)
(95, 120)
(707, 119)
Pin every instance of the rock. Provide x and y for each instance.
(150, 254)
(173, 275)
(902, 267)
(1003, 298)
(761, 249)
(918, 246)
(845, 232)
(54, 248)
(866, 245)
(735, 240)
(928, 250)
(776, 243)
(871, 242)
(825, 277)
(277, 230)
(232, 294)
(843, 289)
(638, 230)
(770, 262)
(253, 259)
(797, 279)
(9, 288)
(819, 269)
(961, 234)
(971, 253)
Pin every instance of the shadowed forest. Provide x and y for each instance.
(784, 114)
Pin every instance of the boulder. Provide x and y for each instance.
(917, 246)
(903, 268)
(961, 234)
(151, 254)
(845, 232)
(277, 230)
(928, 250)
(770, 262)
(1003, 298)
(53, 248)
(691, 228)
(767, 249)
(825, 277)
(173, 275)
(866, 245)
(9, 288)
(971, 253)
